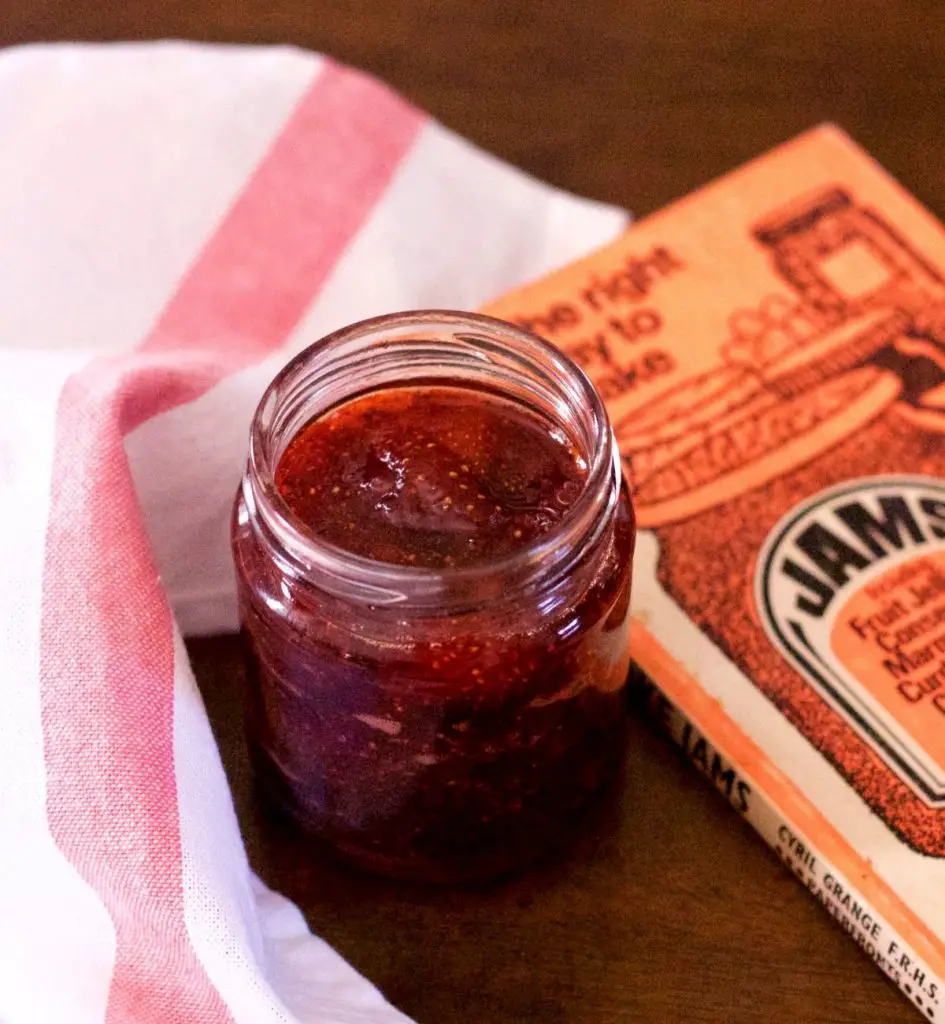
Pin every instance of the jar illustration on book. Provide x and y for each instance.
(797, 493)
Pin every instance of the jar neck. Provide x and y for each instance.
(432, 348)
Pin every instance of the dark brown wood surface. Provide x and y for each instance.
(667, 908)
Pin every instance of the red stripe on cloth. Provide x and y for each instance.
(107, 651)
(259, 272)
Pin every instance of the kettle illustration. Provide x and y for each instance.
(853, 270)
(865, 329)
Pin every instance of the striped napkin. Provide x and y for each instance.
(177, 221)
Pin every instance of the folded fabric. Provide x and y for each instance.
(177, 221)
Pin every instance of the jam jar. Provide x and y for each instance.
(433, 545)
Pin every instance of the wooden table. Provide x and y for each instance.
(667, 908)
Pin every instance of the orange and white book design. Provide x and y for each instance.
(772, 353)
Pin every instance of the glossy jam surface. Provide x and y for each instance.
(431, 477)
(438, 745)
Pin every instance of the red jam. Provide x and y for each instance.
(443, 744)
(430, 477)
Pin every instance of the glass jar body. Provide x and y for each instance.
(442, 741)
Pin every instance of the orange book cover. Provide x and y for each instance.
(772, 353)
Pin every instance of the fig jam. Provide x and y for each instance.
(434, 580)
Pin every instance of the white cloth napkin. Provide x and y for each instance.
(176, 221)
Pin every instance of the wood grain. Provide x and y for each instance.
(667, 907)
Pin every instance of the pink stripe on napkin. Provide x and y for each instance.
(107, 648)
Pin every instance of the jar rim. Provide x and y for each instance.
(346, 574)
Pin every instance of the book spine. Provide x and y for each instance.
(838, 896)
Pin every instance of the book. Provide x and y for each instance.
(771, 350)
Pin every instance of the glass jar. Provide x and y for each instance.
(442, 725)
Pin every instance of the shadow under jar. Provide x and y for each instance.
(433, 547)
